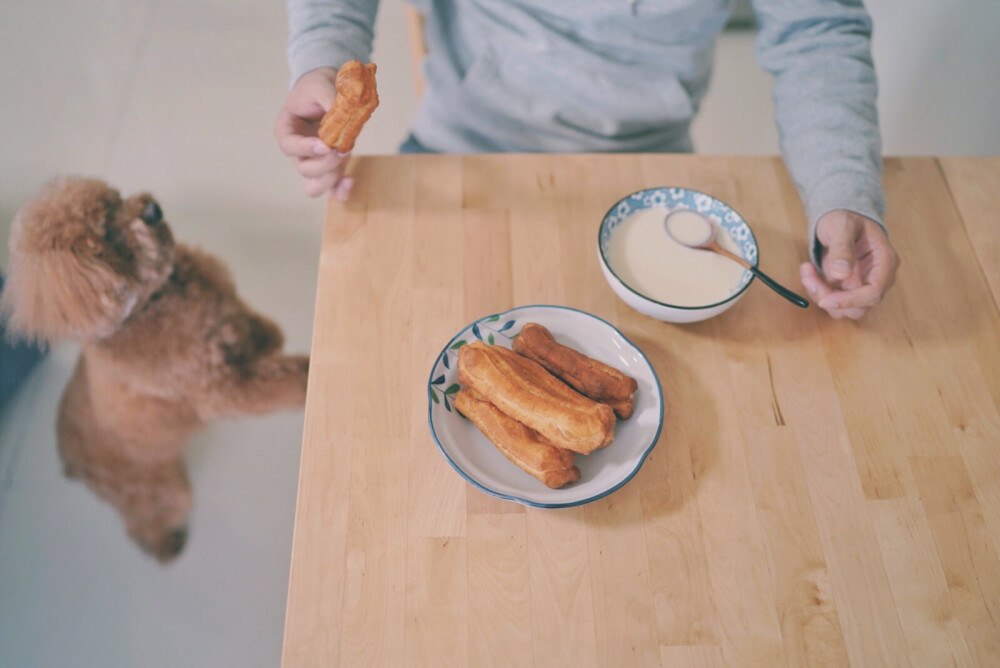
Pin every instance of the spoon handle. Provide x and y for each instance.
(780, 289)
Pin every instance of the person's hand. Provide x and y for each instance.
(295, 129)
(859, 265)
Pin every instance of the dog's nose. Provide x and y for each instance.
(152, 214)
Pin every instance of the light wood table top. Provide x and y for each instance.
(823, 492)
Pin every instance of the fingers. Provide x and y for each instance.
(296, 139)
(837, 303)
(316, 166)
(336, 185)
(813, 282)
(315, 187)
(297, 146)
(864, 297)
(857, 294)
(858, 262)
(875, 274)
(326, 173)
(885, 262)
(295, 131)
(342, 191)
(321, 167)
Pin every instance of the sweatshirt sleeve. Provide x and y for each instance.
(819, 52)
(328, 33)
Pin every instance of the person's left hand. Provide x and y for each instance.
(859, 265)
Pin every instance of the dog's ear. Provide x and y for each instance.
(60, 284)
(58, 294)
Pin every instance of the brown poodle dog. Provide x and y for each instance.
(167, 345)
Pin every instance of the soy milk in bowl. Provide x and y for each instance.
(657, 275)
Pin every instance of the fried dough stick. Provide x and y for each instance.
(588, 376)
(524, 390)
(357, 98)
(523, 446)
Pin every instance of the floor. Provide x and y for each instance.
(178, 98)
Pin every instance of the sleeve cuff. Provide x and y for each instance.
(857, 193)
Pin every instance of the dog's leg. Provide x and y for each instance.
(152, 495)
(271, 383)
(154, 500)
(155, 503)
(75, 424)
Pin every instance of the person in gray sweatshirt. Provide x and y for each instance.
(625, 76)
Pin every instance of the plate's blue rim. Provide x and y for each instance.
(607, 263)
(518, 499)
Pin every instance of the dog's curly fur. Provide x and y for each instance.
(167, 345)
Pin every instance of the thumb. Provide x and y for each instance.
(324, 96)
(326, 87)
(839, 235)
(315, 91)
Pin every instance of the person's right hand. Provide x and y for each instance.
(295, 129)
(858, 265)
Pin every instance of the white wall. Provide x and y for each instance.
(938, 63)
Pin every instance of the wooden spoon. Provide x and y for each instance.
(695, 231)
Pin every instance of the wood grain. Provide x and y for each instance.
(822, 493)
(500, 616)
(974, 183)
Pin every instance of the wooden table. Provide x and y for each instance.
(823, 492)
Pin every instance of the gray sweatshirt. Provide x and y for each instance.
(621, 76)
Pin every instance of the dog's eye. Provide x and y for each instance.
(152, 214)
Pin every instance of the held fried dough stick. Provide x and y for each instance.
(356, 99)
(589, 377)
(524, 447)
(524, 390)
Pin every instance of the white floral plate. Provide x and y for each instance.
(603, 471)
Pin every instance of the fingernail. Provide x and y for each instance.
(342, 191)
(319, 148)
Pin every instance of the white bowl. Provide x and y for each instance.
(673, 199)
